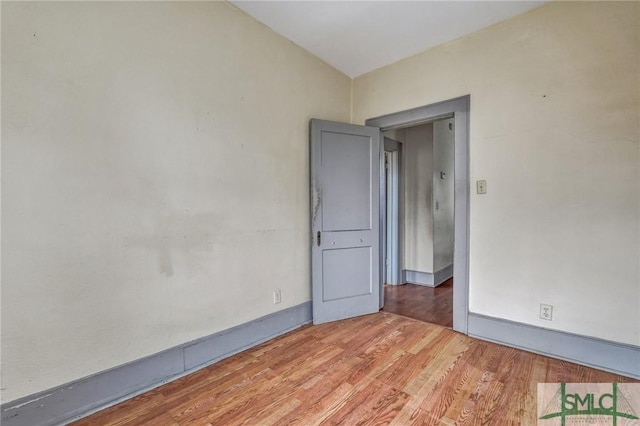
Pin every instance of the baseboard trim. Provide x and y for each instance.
(602, 354)
(418, 277)
(427, 279)
(442, 275)
(82, 397)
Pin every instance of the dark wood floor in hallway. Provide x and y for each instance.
(429, 304)
(373, 370)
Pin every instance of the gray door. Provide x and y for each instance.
(345, 220)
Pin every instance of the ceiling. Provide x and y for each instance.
(356, 37)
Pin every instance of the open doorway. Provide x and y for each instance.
(346, 179)
(418, 225)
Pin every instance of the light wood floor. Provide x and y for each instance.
(372, 370)
(429, 304)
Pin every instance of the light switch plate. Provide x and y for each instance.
(481, 186)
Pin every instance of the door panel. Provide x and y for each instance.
(346, 273)
(346, 168)
(345, 198)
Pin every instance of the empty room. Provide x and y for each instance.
(196, 212)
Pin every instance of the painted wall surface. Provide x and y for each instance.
(555, 101)
(443, 155)
(417, 164)
(154, 179)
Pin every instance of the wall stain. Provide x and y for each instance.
(178, 233)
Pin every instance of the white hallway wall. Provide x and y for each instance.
(555, 98)
(154, 179)
(428, 232)
(417, 167)
(443, 193)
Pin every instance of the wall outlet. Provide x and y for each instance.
(277, 296)
(546, 312)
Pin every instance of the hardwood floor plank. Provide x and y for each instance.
(473, 364)
(446, 390)
(431, 334)
(498, 396)
(445, 351)
(279, 354)
(372, 366)
(281, 342)
(516, 408)
(276, 391)
(379, 409)
(374, 370)
(146, 405)
(211, 402)
(486, 413)
(272, 414)
(360, 395)
(338, 330)
(482, 377)
(471, 407)
(328, 377)
(314, 413)
(370, 336)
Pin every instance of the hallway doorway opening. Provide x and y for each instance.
(418, 221)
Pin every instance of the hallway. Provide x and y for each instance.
(429, 304)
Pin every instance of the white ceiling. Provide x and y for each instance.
(359, 36)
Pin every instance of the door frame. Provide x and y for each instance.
(457, 108)
(392, 214)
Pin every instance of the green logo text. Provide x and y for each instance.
(565, 404)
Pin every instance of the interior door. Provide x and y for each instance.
(345, 220)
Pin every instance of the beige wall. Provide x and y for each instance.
(555, 96)
(154, 179)
(155, 166)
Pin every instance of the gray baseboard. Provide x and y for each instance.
(417, 277)
(605, 355)
(441, 275)
(428, 279)
(90, 394)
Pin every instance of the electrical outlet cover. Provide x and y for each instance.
(546, 312)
